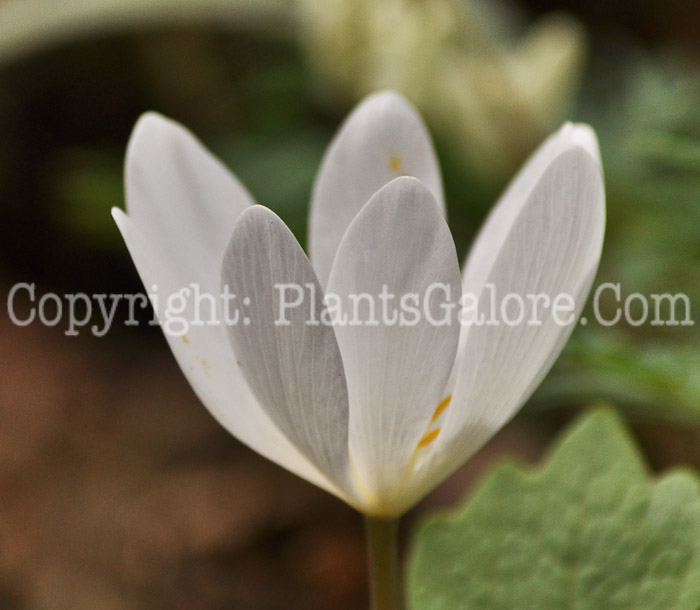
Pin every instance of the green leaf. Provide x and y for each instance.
(278, 169)
(87, 183)
(588, 531)
(648, 380)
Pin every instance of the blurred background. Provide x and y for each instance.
(117, 489)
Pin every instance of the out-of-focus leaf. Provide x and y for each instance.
(278, 168)
(589, 530)
(88, 183)
(647, 121)
(652, 381)
(30, 25)
(672, 150)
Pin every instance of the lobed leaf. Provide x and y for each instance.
(590, 530)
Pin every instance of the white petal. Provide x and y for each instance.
(292, 365)
(553, 247)
(183, 205)
(492, 235)
(399, 244)
(207, 360)
(184, 195)
(382, 139)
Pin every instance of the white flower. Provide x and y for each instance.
(490, 90)
(377, 415)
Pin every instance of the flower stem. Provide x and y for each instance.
(385, 577)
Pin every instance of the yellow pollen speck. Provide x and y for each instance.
(428, 438)
(204, 366)
(395, 163)
(185, 340)
(440, 409)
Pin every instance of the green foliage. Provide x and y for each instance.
(278, 169)
(653, 382)
(650, 141)
(88, 183)
(589, 530)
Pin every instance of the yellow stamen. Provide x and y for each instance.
(440, 409)
(428, 438)
(395, 163)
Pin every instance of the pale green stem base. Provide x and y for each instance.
(385, 576)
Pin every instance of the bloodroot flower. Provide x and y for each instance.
(373, 368)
